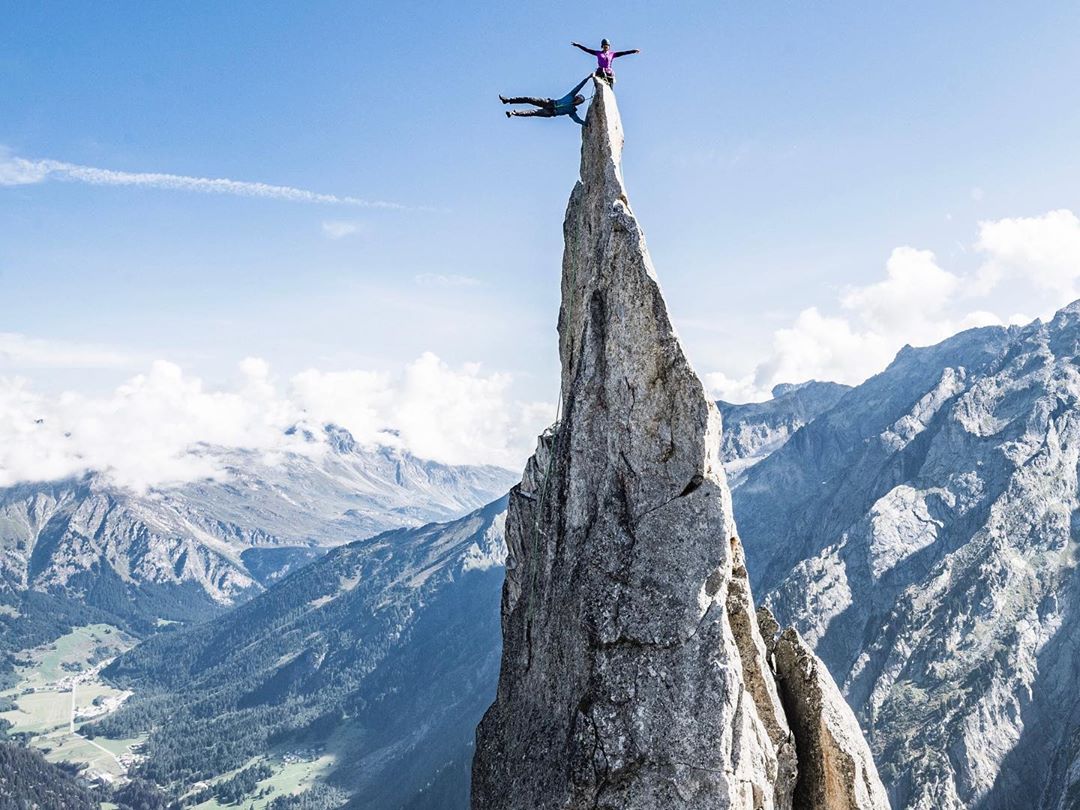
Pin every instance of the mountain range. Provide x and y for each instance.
(223, 539)
(922, 535)
(85, 550)
(382, 655)
(384, 652)
(754, 430)
(917, 529)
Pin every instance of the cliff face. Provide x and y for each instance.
(634, 674)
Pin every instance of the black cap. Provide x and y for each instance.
(604, 42)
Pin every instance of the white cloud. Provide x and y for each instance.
(339, 229)
(733, 389)
(446, 280)
(821, 347)
(1044, 251)
(920, 303)
(913, 304)
(17, 171)
(980, 317)
(911, 298)
(457, 416)
(154, 430)
(20, 351)
(453, 415)
(357, 400)
(147, 432)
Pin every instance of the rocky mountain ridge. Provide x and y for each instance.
(214, 543)
(922, 536)
(754, 430)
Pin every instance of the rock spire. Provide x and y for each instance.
(634, 673)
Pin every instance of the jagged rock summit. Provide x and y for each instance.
(634, 673)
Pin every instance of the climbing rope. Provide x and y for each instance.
(535, 556)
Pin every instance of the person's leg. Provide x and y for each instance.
(540, 112)
(536, 102)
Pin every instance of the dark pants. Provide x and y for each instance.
(545, 107)
(541, 113)
(607, 75)
(546, 103)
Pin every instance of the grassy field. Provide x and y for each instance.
(78, 651)
(289, 778)
(118, 747)
(43, 707)
(58, 677)
(87, 693)
(66, 747)
(40, 712)
(43, 694)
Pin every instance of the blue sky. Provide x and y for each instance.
(777, 155)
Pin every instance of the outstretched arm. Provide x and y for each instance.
(573, 114)
(587, 50)
(626, 53)
(580, 84)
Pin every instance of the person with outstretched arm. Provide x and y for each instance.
(604, 57)
(549, 107)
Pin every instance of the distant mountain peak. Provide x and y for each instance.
(341, 440)
(783, 389)
(756, 429)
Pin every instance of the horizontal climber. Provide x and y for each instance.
(549, 107)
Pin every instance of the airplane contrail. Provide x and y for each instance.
(17, 171)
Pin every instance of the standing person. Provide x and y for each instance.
(549, 107)
(604, 57)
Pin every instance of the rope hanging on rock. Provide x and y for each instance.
(534, 562)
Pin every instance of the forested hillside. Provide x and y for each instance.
(376, 660)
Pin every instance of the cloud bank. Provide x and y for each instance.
(154, 430)
(1044, 251)
(17, 171)
(919, 303)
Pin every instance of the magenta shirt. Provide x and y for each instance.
(604, 59)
